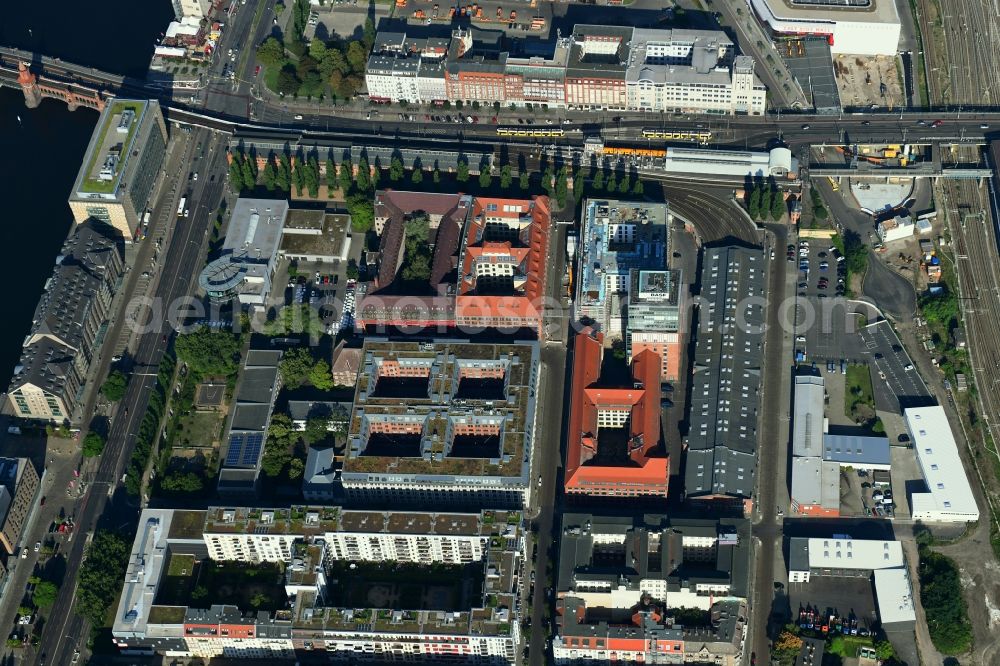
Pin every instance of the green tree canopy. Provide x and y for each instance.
(271, 53)
(209, 351)
(320, 377)
(485, 177)
(295, 366)
(362, 211)
(93, 445)
(316, 430)
(505, 177)
(113, 387)
(317, 49)
(182, 482)
(101, 575)
(45, 594)
(396, 170)
(296, 468)
(462, 171)
(357, 57)
(288, 81)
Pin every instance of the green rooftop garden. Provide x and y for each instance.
(108, 186)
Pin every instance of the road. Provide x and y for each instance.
(184, 258)
(771, 453)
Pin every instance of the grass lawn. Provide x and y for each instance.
(858, 391)
(199, 430)
(258, 586)
(847, 646)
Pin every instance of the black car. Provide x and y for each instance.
(803, 285)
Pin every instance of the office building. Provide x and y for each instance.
(244, 269)
(617, 238)
(433, 616)
(726, 377)
(502, 265)
(622, 580)
(595, 67)
(122, 163)
(949, 496)
(690, 71)
(613, 444)
(18, 487)
(68, 326)
(259, 383)
(655, 312)
(859, 27)
(443, 422)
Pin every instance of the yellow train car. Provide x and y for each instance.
(531, 132)
(701, 136)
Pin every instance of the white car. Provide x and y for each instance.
(298, 116)
(195, 176)
(38, 546)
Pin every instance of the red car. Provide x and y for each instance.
(256, 70)
(937, 123)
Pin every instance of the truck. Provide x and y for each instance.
(180, 207)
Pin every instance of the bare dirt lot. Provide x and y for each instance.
(864, 80)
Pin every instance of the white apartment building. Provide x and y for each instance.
(421, 548)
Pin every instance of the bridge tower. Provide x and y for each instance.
(29, 85)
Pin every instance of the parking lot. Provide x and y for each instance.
(822, 323)
(895, 381)
(841, 596)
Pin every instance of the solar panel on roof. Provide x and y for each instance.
(235, 449)
(251, 450)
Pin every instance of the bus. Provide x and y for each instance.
(180, 207)
(701, 136)
(531, 131)
(833, 183)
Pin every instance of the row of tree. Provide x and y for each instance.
(765, 201)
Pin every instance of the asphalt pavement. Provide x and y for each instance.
(106, 505)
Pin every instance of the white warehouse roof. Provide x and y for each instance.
(807, 423)
(869, 28)
(895, 596)
(949, 497)
(855, 554)
(778, 162)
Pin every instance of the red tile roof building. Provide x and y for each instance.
(630, 466)
(501, 275)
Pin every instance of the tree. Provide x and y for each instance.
(462, 172)
(288, 81)
(208, 351)
(331, 176)
(45, 594)
(396, 169)
(524, 181)
(612, 184)
(777, 205)
(753, 206)
(271, 53)
(296, 468)
(297, 180)
(93, 445)
(765, 202)
(597, 183)
(638, 188)
(317, 429)
(236, 181)
(625, 184)
(277, 452)
(368, 36)
(270, 175)
(282, 174)
(320, 377)
(101, 575)
(417, 176)
(346, 176)
(363, 179)
(113, 387)
(295, 366)
(182, 482)
(437, 175)
(249, 177)
(333, 62)
(357, 57)
(505, 177)
(317, 49)
(352, 269)
(362, 212)
(561, 187)
(485, 177)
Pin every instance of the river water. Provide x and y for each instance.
(41, 149)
